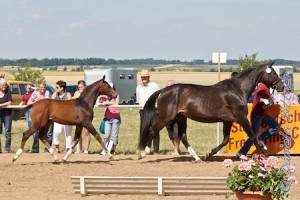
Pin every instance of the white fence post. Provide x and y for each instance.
(160, 187)
(83, 190)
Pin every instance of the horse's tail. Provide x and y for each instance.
(18, 113)
(147, 118)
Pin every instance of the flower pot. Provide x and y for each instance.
(250, 195)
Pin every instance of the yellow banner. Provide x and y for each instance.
(275, 143)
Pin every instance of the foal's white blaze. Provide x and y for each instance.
(193, 153)
(17, 155)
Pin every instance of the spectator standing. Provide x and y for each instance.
(25, 99)
(143, 92)
(286, 97)
(5, 114)
(172, 128)
(81, 86)
(62, 95)
(259, 115)
(39, 94)
(112, 122)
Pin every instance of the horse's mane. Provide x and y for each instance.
(86, 90)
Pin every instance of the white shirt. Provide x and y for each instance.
(144, 92)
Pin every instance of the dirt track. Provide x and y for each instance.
(35, 176)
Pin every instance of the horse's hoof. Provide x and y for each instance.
(198, 160)
(139, 157)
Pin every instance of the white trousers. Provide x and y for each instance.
(57, 131)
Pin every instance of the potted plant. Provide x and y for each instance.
(259, 177)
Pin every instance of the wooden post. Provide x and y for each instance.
(83, 191)
(219, 78)
(160, 187)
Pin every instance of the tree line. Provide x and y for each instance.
(47, 62)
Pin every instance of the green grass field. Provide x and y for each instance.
(201, 136)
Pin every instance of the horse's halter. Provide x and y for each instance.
(273, 85)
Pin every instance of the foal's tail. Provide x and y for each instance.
(18, 113)
(147, 119)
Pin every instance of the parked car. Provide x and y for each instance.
(299, 98)
(72, 89)
(50, 89)
(17, 89)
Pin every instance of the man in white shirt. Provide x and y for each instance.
(143, 92)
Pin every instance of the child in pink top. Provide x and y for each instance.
(112, 122)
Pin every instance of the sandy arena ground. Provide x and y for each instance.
(35, 176)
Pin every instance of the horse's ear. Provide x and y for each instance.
(271, 63)
(103, 78)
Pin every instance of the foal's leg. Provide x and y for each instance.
(93, 131)
(43, 138)
(226, 134)
(26, 135)
(182, 125)
(78, 132)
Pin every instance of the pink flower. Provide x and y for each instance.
(273, 160)
(227, 162)
(243, 157)
(292, 168)
(263, 169)
(268, 166)
(260, 157)
(245, 167)
(251, 162)
(293, 179)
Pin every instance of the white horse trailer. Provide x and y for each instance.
(124, 80)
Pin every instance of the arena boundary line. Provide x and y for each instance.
(163, 186)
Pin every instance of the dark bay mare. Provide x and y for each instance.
(78, 112)
(224, 102)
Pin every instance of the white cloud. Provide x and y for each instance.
(37, 16)
(79, 24)
(21, 30)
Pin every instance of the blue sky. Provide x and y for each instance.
(160, 29)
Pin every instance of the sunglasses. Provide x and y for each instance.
(57, 87)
